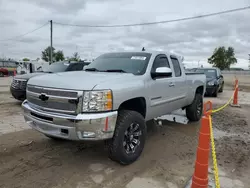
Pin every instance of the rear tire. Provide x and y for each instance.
(130, 129)
(194, 111)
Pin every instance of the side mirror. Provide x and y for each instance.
(162, 72)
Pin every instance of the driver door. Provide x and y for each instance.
(161, 89)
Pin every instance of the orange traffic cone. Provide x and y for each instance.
(200, 177)
(236, 90)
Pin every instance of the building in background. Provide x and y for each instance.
(8, 67)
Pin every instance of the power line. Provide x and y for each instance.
(13, 38)
(159, 22)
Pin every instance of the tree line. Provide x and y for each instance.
(222, 57)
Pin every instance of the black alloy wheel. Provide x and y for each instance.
(132, 138)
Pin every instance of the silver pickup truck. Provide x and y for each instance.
(112, 99)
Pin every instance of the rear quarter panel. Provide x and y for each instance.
(194, 81)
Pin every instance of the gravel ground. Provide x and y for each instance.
(29, 159)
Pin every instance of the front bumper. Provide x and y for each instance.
(18, 94)
(91, 126)
(210, 90)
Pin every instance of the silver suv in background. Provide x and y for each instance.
(112, 100)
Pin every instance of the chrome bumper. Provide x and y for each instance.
(92, 126)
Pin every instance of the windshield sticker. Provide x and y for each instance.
(138, 57)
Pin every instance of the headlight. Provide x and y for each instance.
(97, 101)
(211, 83)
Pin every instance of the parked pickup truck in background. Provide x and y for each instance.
(18, 85)
(112, 99)
(215, 80)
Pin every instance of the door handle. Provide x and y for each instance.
(171, 84)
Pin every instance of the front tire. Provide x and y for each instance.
(215, 94)
(194, 111)
(129, 137)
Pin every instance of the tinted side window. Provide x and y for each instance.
(75, 67)
(176, 65)
(160, 61)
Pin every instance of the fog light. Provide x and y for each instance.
(87, 134)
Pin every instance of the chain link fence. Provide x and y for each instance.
(236, 72)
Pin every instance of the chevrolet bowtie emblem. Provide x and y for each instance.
(43, 97)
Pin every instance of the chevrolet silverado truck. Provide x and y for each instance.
(112, 99)
(18, 84)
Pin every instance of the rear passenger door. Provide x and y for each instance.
(180, 83)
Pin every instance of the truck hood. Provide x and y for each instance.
(29, 75)
(79, 80)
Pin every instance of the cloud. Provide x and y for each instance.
(60, 6)
(195, 39)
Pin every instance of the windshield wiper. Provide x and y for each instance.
(115, 70)
(108, 70)
(92, 69)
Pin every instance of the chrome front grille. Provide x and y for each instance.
(54, 100)
(19, 84)
(53, 92)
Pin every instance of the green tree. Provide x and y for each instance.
(57, 56)
(26, 59)
(46, 54)
(223, 58)
(75, 57)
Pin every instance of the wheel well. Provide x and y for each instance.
(136, 104)
(200, 90)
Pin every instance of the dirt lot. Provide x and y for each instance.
(29, 159)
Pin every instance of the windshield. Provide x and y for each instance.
(56, 67)
(126, 62)
(211, 73)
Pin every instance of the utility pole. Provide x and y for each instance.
(51, 42)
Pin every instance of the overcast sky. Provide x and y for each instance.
(194, 39)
